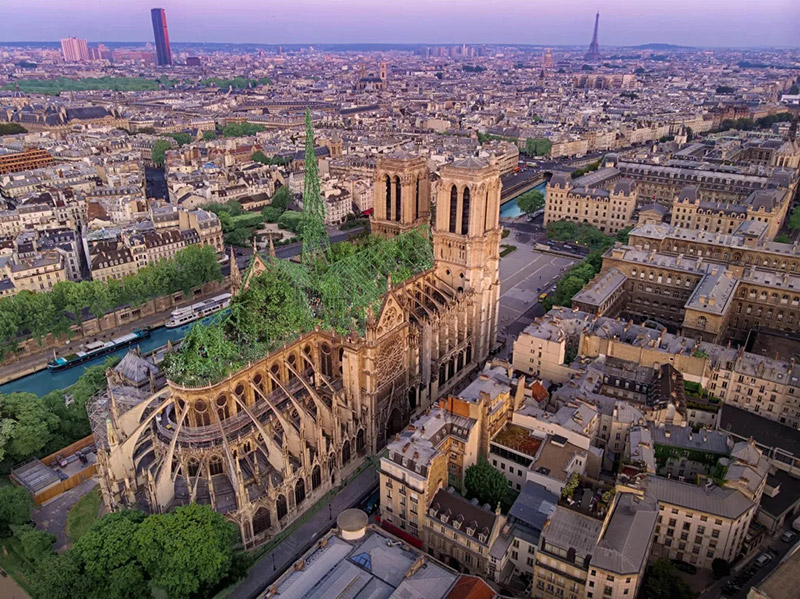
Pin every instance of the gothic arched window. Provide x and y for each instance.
(453, 208)
(388, 198)
(398, 200)
(465, 212)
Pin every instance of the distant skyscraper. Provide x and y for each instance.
(594, 48)
(163, 55)
(74, 50)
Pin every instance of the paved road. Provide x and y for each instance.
(773, 545)
(52, 516)
(269, 567)
(524, 274)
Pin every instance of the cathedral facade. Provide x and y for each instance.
(273, 438)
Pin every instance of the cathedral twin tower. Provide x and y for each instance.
(465, 227)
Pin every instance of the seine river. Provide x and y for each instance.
(510, 208)
(44, 381)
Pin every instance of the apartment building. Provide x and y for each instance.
(38, 271)
(207, 226)
(619, 560)
(460, 532)
(111, 260)
(600, 199)
(567, 542)
(14, 162)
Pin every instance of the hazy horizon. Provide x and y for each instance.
(699, 23)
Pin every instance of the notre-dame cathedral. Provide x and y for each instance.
(270, 439)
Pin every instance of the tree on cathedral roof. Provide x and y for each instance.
(288, 299)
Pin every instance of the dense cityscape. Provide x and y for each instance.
(399, 320)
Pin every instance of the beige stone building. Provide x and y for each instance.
(460, 533)
(402, 193)
(36, 273)
(112, 260)
(583, 201)
(270, 439)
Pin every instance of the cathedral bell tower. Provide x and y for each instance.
(466, 242)
(402, 194)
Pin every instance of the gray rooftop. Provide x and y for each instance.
(719, 501)
(625, 541)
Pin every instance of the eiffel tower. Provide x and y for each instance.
(594, 48)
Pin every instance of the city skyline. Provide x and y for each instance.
(706, 24)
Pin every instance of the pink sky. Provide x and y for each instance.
(622, 22)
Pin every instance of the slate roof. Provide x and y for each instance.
(625, 541)
(457, 509)
(719, 501)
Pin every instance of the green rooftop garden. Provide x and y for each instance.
(337, 292)
(519, 439)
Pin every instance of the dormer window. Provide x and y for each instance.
(444, 518)
(470, 531)
(432, 513)
(482, 538)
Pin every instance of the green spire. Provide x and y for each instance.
(313, 232)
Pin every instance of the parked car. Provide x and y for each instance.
(762, 560)
(685, 566)
(788, 536)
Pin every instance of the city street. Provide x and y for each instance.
(776, 548)
(524, 275)
(269, 567)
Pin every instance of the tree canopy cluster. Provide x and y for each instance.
(11, 129)
(531, 201)
(725, 89)
(242, 129)
(259, 156)
(537, 146)
(61, 84)
(239, 228)
(338, 292)
(236, 82)
(37, 314)
(32, 426)
(187, 552)
(746, 124)
(160, 147)
(661, 581)
(580, 172)
(486, 484)
(581, 273)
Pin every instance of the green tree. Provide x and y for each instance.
(794, 220)
(485, 483)
(290, 221)
(281, 198)
(15, 507)
(37, 545)
(271, 214)
(182, 138)
(259, 156)
(661, 581)
(30, 424)
(187, 551)
(783, 238)
(158, 150)
(11, 129)
(60, 577)
(209, 135)
(107, 545)
(794, 90)
(720, 567)
(537, 146)
(531, 201)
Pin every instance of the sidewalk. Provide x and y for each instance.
(269, 567)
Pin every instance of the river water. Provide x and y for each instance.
(44, 381)
(510, 208)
